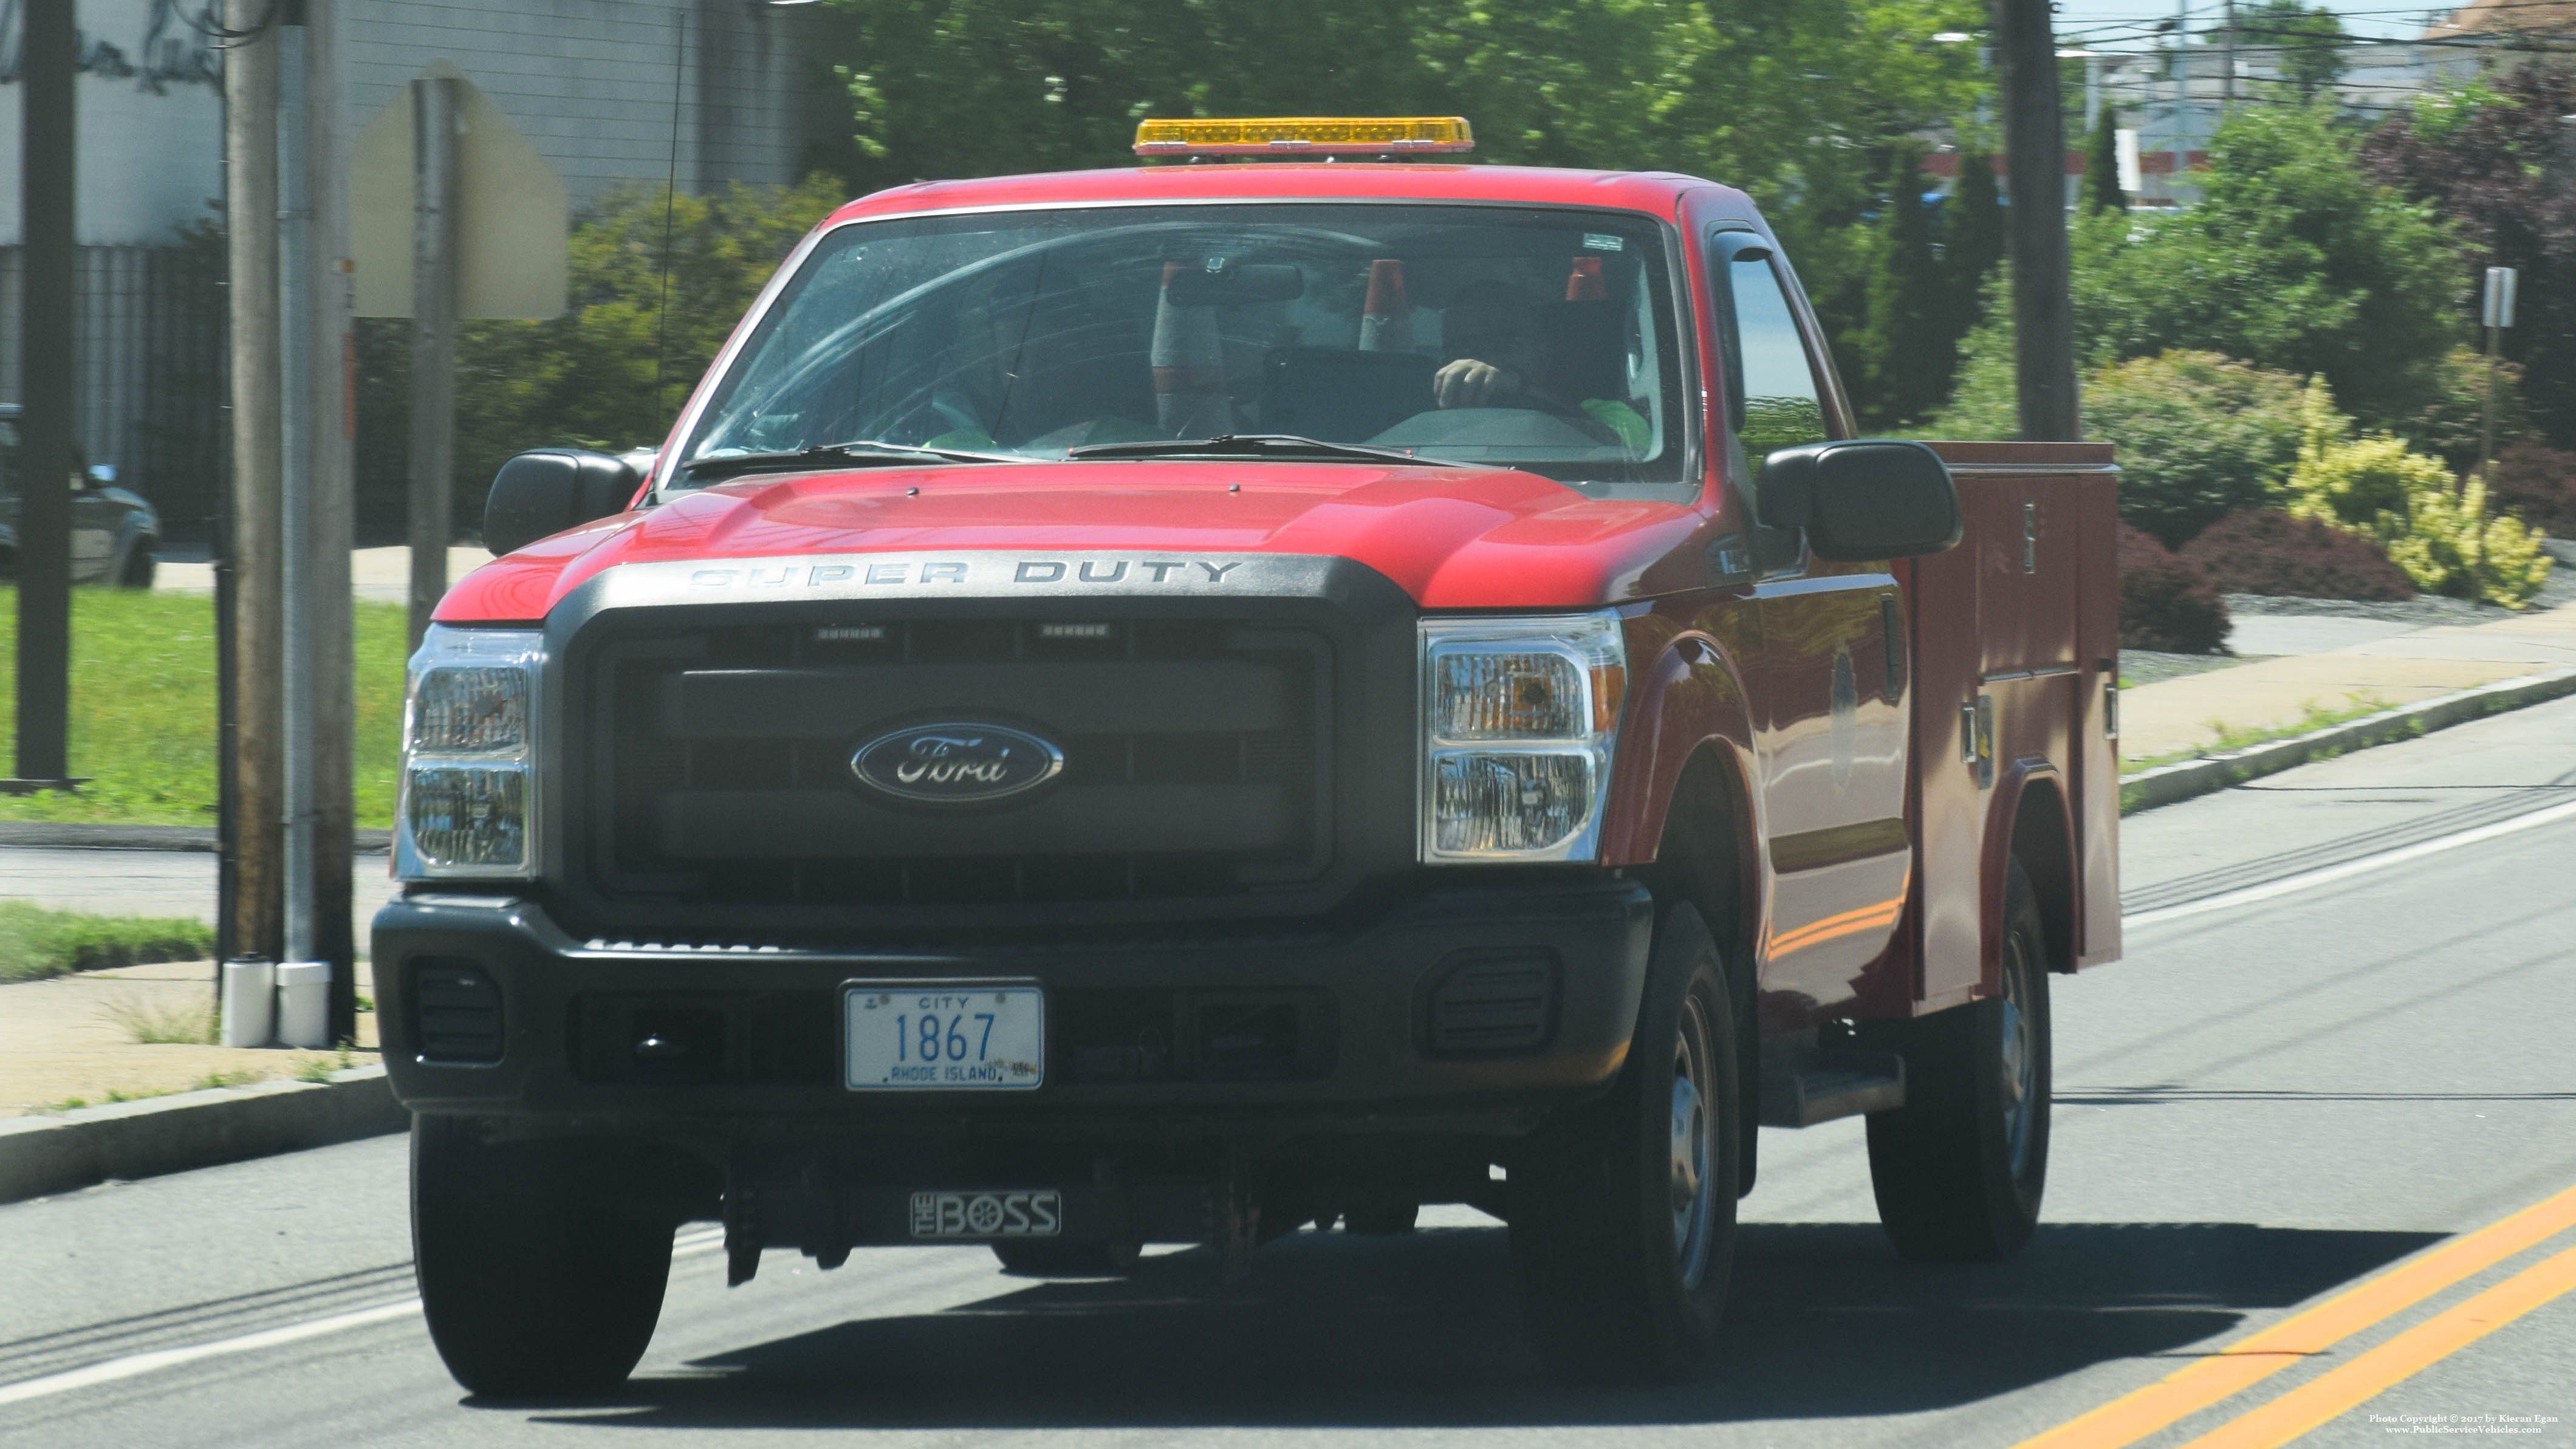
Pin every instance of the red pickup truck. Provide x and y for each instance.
(1184, 703)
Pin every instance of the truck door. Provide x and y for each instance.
(1830, 730)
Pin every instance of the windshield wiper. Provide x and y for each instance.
(1251, 445)
(863, 454)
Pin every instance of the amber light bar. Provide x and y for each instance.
(1306, 136)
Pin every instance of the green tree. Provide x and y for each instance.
(1972, 230)
(2102, 164)
(2306, 41)
(1909, 344)
(2296, 261)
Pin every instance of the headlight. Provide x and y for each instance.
(469, 748)
(1518, 720)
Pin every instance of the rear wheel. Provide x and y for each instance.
(535, 1277)
(1960, 1168)
(137, 571)
(1056, 1258)
(1623, 1220)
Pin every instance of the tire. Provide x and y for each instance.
(137, 569)
(1623, 1219)
(1056, 1258)
(1960, 1168)
(535, 1279)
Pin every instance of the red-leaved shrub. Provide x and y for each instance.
(2166, 602)
(2263, 551)
(2538, 483)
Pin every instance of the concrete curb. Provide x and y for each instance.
(51, 1154)
(76, 835)
(2168, 783)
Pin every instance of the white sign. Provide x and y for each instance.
(513, 214)
(2502, 282)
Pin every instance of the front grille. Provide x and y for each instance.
(1195, 763)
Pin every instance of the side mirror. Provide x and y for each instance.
(543, 492)
(1868, 499)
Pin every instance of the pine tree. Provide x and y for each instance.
(2102, 165)
(1908, 342)
(1974, 232)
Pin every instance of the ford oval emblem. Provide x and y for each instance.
(955, 764)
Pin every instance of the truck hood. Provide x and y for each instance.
(1451, 537)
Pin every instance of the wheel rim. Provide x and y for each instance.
(2019, 1060)
(1693, 1140)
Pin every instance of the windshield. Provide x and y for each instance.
(1529, 338)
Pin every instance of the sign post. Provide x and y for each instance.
(454, 214)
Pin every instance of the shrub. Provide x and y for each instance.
(2444, 535)
(2266, 551)
(2167, 603)
(2538, 483)
(2453, 544)
(2451, 424)
(2198, 436)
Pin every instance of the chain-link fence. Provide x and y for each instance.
(148, 353)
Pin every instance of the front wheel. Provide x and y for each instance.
(1623, 1219)
(535, 1277)
(1959, 1169)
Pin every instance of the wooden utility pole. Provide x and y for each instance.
(2035, 142)
(433, 342)
(332, 530)
(49, 68)
(250, 215)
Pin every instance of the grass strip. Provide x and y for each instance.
(143, 709)
(36, 943)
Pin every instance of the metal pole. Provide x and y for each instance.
(295, 492)
(433, 343)
(2035, 147)
(2178, 143)
(48, 73)
(331, 528)
(250, 168)
(2227, 82)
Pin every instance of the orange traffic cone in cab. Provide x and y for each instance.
(1583, 282)
(1386, 319)
(1189, 368)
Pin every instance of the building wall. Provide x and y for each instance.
(597, 85)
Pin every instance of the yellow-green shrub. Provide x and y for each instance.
(2435, 528)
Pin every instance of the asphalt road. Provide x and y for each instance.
(2318, 1059)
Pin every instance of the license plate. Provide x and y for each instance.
(986, 1215)
(944, 1035)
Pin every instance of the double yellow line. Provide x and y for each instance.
(2258, 1356)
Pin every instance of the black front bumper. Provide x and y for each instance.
(1367, 1031)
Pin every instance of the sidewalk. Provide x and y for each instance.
(380, 574)
(73, 1036)
(2363, 663)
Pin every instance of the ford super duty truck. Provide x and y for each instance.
(1294, 682)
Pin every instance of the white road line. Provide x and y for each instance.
(2327, 875)
(144, 1363)
(132, 1365)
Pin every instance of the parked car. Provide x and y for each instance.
(114, 532)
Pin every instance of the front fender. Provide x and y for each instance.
(1685, 692)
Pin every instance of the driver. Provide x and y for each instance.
(1498, 357)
